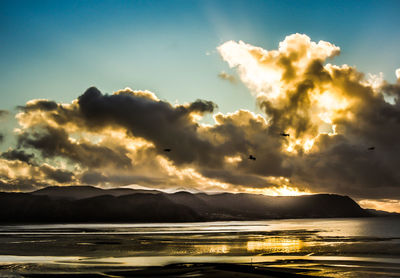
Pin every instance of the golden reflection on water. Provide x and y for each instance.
(275, 245)
(212, 249)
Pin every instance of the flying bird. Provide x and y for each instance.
(252, 157)
(371, 148)
(284, 134)
(167, 150)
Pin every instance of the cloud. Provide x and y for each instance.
(58, 175)
(156, 121)
(93, 178)
(226, 76)
(120, 139)
(17, 185)
(285, 81)
(18, 175)
(381, 204)
(39, 104)
(15, 154)
(4, 113)
(52, 142)
(97, 178)
(262, 70)
(333, 114)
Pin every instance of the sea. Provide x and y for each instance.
(346, 247)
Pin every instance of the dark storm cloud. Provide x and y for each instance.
(142, 115)
(20, 185)
(15, 154)
(242, 134)
(52, 142)
(201, 106)
(157, 121)
(349, 168)
(95, 178)
(43, 105)
(58, 175)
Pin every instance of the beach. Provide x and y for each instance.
(354, 247)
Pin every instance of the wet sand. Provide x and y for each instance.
(173, 270)
(282, 268)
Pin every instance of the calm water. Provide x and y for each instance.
(364, 247)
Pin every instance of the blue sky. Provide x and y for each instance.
(57, 49)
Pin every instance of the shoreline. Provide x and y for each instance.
(171, 270)
(283, 268)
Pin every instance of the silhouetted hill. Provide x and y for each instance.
(84, 191)
(140, 207)
(251, 206)
(376, 212)
(91, 204)
(70, 192)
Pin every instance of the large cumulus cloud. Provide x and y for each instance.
(124, 135)
(151, 119)
(119, 139)
(343, 132)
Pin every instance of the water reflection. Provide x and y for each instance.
(339, 243)
(276, 245)
(212, 249)
(291, 237)
(371, 227)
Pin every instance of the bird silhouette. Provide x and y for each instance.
(284, 134)
(371, 148)
(252, 157)
(167, 150)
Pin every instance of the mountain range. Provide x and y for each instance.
(87, 204)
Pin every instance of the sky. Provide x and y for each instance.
(92, 92)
